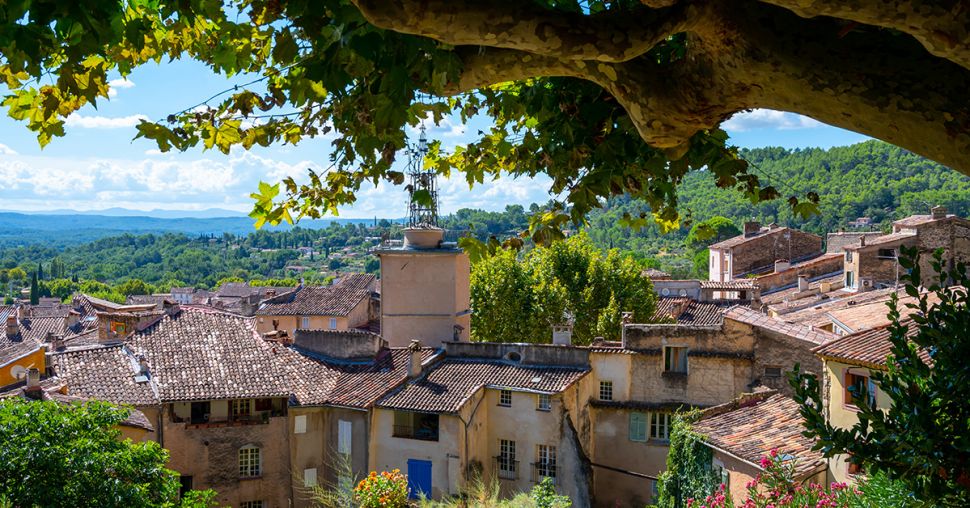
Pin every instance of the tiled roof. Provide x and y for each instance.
(741, 239)
(755, 425)
(235, 290)
(356, 281)
(797, 331)
(104, 373)
(689, 311)
(315, 301)
(882, 240)
(814, 311)
(319, 380)
(51, 391)
(780, 295)
(916, 220)
(447, 384)
(199, 354)
(736, 284)
(88, 337)
(34, 329)
(17, 350)
(869, 348)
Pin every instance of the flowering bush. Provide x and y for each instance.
(776, 488)
(382, 490)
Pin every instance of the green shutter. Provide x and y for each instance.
(638, 427)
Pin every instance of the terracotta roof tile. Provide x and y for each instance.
(321, 380)
(104, 373)
(741, 239)
(691, 312)
(51, 391)
(199, 353)
(315, 301)
(752, 427)
(736, 284)
(882, 240)
(356, 281)
(797, 331)
(447, 384)
(869, 348)
(16, 350)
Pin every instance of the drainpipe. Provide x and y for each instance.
(466, 424)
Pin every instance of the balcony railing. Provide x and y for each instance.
(542, 470)
(507, 469)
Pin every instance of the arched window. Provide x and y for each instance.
(250, 463)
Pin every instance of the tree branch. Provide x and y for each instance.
(943, 28)
(614, 36)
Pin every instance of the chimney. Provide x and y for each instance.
(13, 329)
(143, 365)
(862, 241)
(781, 265)
(825, 287)
(802, 283)
(938, 212)
(33, 389)
(57, 343)
(751, 228)
(414, 359)
(562, 334)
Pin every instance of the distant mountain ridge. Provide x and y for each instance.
(208, 213)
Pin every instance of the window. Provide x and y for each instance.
(606, 390)
(545, 466)
(239, 409)
(299, 424)
(505, 398)
(251, 504)
(849, 280)
(185, 484)
(544, 402)
(200, 412)
(333, 323)
(858, 386)
(848, 256)
(420, 426)
(886, 254)
(638, 427)
(660, 426)
(310, 477)
(675, 359)
(345, 437)
(720, 472)
(507, 465)
(772, 371)
(249, 462)
(305, 323)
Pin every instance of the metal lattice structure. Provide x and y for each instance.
(422, 213)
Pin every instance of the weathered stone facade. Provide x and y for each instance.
(756, 251)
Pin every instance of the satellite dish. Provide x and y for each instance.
(665, 292)
(18, 372)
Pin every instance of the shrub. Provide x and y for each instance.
(382, 490)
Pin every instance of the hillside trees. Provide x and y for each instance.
(605, 97)
(519, 300)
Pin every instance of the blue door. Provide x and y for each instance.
(419, 478)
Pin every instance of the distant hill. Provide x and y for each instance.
(208, 213)
(69, 228)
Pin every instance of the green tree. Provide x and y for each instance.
(17, 274)
(689, 474)
(59, 455)
(518, 300)
(34, 289)
(609, 98)
(712, 230)
(134, 287)
(923, 438)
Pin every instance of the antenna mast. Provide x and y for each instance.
(421, 214)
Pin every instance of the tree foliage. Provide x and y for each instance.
(923, 438)
(519, 300)
(58, 455)
(689, 474)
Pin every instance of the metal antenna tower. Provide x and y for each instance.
(421, 213)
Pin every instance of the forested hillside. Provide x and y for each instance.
(871, 179)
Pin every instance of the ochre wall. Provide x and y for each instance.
(37, 359)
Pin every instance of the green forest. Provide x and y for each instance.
(871, 179)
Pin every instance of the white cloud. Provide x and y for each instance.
(768, 119)
(117, 84)
(6, 150)
(447, 127)
(103, 122)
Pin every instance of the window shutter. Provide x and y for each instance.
(344, 436)
(638, 427)
(299, 424)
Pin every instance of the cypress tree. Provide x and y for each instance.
(34, 290)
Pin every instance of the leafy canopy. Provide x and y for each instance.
(319, 68)
(60, 455)
(923, 438)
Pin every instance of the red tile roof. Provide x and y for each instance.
(315, 301)
(741, 239)
(104, 373)
(882, 240)
(356, 281)
(319, 380)
(797, 331)
(752, 426)
(736, 284)
(691, 312)
(449, 383)
(869, 348)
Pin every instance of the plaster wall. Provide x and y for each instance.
(842, 414)
(613, 447)
(389, 452)
(37, 359)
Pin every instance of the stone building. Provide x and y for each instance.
(757, 248)
(344, 305)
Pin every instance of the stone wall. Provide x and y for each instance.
(811, 269)
(339, 344)
(837, 242)
(534, 354)
(759, 253)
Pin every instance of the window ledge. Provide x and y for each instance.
(245, 478)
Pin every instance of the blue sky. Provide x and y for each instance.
(98, 165)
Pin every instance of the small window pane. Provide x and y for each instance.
(505, 398)
(249, 462)
(659, 426)
(606, 390)
(544, 403)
